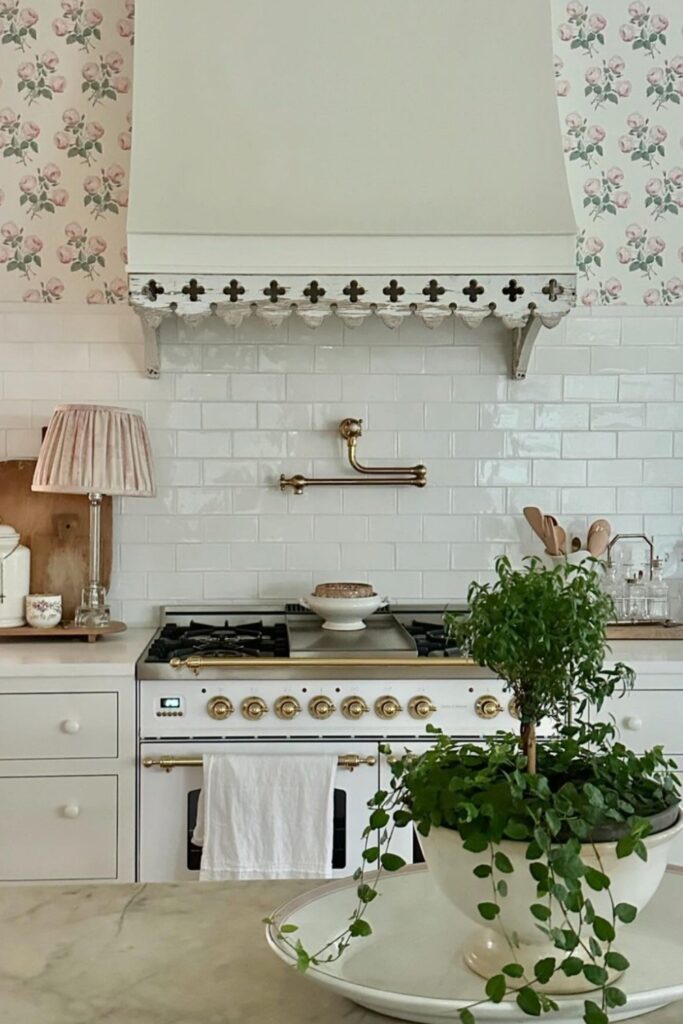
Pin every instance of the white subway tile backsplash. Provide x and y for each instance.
(590, 388)
(643, 388)
(656, 444)
(596, 429)
(589, 445)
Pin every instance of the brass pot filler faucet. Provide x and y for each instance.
(351, 429)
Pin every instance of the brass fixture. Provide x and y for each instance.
(287, 707)
(351, 429)
(354, 707)
(387, 707)
(254, 708)
(320, 707)
(487, 706)
(347, 761)
(513, 708)
(195, 662)
(220, 707)
(421, 707)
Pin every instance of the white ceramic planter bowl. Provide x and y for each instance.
(343, 613)
(633, 881)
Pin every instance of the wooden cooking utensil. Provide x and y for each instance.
(598, 537)
(535, 519)
(561, 538)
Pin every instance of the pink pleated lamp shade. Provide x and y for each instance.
(95, 449)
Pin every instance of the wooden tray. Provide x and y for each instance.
(645, 631)
(61, 632)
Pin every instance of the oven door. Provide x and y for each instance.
(167, 806)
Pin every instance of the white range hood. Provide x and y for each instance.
(356, 158)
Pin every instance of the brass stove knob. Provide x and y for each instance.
(220, 707)
(320, 707)
(421, 707)
(513, 708)
(387, 707)
(254, 708)
(487, 706)
(287, 707)
(354, 707)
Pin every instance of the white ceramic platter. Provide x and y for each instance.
(411, 968)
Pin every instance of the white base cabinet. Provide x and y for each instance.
(67, 779)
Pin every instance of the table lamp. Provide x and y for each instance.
(95, 450)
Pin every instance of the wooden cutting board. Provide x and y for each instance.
(56, 527)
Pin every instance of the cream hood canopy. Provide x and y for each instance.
(348, 157)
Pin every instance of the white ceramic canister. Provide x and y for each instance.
(15, 577)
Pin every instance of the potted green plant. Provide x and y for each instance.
(548, 846)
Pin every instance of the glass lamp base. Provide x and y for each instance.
(93, 610)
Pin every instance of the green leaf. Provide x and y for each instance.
(303, 959)
(287, 929)
(593, 1014)
(595, 974)
(596, 879)
(476, 844)
(502, 887)
(466, 1016)
(616, 961)
(528, 1001)
(603, 929)
(496, 988)
(482, 871)
(488, 910)
(544, 969)
(371, 854)
(513, 970)
(571, 966)
(366, 893)
(540, 911)
(614, 996)
(392, 862)
(625, 912)
(359, 928)
(378, 819)
(502, 863)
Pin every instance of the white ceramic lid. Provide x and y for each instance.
(9, 539)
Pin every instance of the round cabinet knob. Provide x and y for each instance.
(487, 706)
(287, 707)
(320, 707)
(633, 723)
(387, 707)
(220, 707)
(354, 707)
(71, 726)
(71, 810)
(254, 708)
(421, 707)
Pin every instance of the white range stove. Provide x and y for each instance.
(271, 679)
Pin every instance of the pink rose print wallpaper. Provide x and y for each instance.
(65, 135)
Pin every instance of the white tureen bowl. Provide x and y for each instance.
(343, 613)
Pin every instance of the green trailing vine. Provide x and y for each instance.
(543, 632)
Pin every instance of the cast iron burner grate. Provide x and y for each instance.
(432, 640)
(246, 640)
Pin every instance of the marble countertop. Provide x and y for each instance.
(65, 657)
(190, 953)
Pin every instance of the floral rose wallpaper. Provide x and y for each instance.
(65, 122)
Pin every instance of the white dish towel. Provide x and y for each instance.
(266, 816)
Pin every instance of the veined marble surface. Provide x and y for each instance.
(191, 953)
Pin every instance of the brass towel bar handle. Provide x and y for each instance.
(347, 761)
(394, 476)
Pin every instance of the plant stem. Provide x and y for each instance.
(528, 738)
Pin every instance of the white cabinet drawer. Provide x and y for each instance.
(647, 718)
(58, 827)
(37, 726)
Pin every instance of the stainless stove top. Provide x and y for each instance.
(383, 637)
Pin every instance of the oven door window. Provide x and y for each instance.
(339, 825)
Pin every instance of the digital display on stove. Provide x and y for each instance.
(170, 702)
